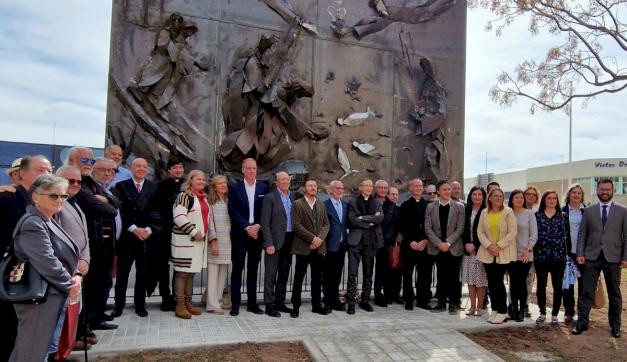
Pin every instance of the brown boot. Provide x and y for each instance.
(181, 310)
(190, 307)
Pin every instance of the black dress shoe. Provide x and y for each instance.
(141, 311)
(409, 306)
(380, 303)
(167, 305)
(423, 306)
(328, 309)
(616, 332)
(351, 309)
(453, 309)
(104, 326)
(295, 313)
(397, 300)
(578, 329)
(284, 308)
(339, 307)
(366, 306)
(520, 316)
(117, 311)
(439, 308)
(106, 317)
(234, 312)
(272, 312)
(254, 309)
(319, 310)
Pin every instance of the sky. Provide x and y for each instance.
(53, 85)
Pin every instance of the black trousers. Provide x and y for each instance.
(96, 288)
(357, 254)
(241, 248)
(332, 275)
(518, 272)
(556, 269)
(496, 287)
(8, 332)
(423, 263)
(591, 272)
(316, 261)
(277, 271)
(131, 251)
(387, 281)
(568, 295)
(448, 266)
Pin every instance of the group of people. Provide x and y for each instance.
(95, 219)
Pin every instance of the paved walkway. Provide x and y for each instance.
(387, 334)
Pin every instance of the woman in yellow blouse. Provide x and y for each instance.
(497, 233)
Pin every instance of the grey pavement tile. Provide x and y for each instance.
(399, 356)
(379, 357)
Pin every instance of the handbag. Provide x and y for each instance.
(395, 256)
(21, 283)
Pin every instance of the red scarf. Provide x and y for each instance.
(204, 209)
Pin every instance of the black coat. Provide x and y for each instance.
(411, 222)
(12, 208)
(468, 228)
(138, 209)
(389, 226)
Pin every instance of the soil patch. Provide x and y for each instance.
(259, 352)
(546, 343)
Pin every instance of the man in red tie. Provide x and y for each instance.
(140, 220)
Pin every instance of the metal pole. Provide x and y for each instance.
(562, 178)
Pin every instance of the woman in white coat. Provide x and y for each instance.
(190, 234)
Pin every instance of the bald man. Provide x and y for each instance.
(140, 221)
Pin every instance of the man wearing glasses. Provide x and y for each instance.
(100, 208)
(430, 194)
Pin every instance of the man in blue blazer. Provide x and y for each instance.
(337, 211)
(245, 199)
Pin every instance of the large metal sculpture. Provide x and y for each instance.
(310, 86)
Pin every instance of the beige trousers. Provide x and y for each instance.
(216, 278)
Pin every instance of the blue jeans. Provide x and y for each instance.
(54, 343)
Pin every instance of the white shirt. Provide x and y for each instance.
(609, 206)
(444, 204)
(311, 204)
(141, 183)
(250, 193)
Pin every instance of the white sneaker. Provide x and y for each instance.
(499, 319)
(492, 316)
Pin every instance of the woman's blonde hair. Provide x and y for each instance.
(187, 185)
(213, 196)
(489, 202)
(570, 189)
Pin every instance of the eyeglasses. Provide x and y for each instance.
(110, 170)
(73, 181)
(430, 193)
(87, 161)
(55, 197)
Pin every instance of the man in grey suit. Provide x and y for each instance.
(278, 236)
(444, 226)
(601, 246)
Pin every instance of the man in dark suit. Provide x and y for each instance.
(444, 226)
(167, 191)
(12, 208)
(245, 200)
(365, 238)
(414, 248)
(602, 246)
(100, 211)
(278, 235)
(387, 281)
(140, 218)
(311, 226)
(337, 213)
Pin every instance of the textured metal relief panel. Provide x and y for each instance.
(396, 123)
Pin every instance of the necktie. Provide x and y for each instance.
(338, 209)
(139, 188)
(604, 215)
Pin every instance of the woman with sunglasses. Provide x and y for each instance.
(550, 253)
(497, 232)
(41, 242)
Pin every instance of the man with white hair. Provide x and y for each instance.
(100, 208)
(337, 212)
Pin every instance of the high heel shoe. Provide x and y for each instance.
(471, 311)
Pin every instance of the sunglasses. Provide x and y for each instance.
(430, 193)
(55, 197)
(87, 161)
(73, 181)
